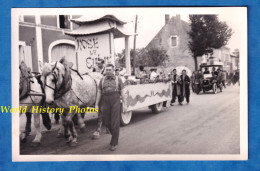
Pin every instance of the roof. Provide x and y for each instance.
(99, 27)
(90, 18)
(172, 20)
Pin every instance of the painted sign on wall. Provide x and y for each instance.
(91, 48)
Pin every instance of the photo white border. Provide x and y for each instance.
(16, 12)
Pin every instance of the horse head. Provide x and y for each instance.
(52, 79)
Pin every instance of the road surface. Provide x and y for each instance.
(210, 124)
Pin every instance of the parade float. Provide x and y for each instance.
(94, 40)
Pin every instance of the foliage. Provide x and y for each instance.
(151, 57)
(207, 33)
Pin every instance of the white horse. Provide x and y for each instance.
(31, 94)
(65, 88)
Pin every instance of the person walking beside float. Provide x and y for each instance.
(110, 93)
(176, 88)
(185, 86)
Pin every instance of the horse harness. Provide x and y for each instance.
(66, 82)
(25, 84)
(65, 85)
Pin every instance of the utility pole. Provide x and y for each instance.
(136, 17)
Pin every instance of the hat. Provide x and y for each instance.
(100, 61)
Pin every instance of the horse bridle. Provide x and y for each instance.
(55, 77)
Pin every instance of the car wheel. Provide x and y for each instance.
(215, 90)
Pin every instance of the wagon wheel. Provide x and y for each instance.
(215, 90)
(156, 108)
(125, 118)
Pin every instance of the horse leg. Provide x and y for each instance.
(75, 120)
(97, 133)
(66, 124)
(46, 120)
(81, 122)
(37, 125)
(23, 135)
(57, 118)
(28, 122)
(74, 134)
(62, 132)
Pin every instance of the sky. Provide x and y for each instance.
(151, 21)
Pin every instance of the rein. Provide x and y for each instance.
(27, 93)
(64, 88)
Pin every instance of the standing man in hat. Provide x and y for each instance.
(176, 88)
(110, 91)
(185, 86)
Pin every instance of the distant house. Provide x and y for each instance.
(174, 39)
(223, 54)
(41, 38)
(235, 60)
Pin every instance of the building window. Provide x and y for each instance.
(64, 22)
(173, 41)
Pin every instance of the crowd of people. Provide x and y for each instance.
(223, 77)
(110, 96)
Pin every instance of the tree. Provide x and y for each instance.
(207, 33)
(154, 56)
(151, 57)
(122, 57)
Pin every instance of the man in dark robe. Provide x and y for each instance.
(185, 86)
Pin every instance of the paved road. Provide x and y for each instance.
(208, 125)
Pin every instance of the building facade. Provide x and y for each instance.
(41, 38)
(173, 37)
(235, 60)
(223, 55)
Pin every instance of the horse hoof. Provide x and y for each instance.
(83, 129)
(35, 144)
(24, 140)
(69, 139)
(73, 144)
(23, 137)
(48, 126)
(96, 135)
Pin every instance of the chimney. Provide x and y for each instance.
(178, 19)
(167, 18)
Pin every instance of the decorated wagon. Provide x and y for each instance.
(94, 40)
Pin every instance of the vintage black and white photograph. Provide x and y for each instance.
(139, 83)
